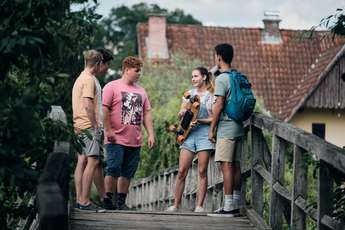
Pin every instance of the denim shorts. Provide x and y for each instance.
(121, 160)
(197, 140)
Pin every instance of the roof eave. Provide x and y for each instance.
(322, 75)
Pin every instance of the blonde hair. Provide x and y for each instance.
(131, 62)
(92, 57)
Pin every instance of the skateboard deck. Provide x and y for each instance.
(192, 107)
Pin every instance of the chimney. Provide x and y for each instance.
(157, 43)
(271, 32)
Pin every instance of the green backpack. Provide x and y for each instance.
(241, 102)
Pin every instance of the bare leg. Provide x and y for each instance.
(203, 157)
(228, 172)
(87, 179)
(110, 184)
(99, 181)
(78, 175)
(185, 161)
(123, 184)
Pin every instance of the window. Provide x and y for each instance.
(318, 129)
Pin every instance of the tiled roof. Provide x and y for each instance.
(275, 70)
(309, 82)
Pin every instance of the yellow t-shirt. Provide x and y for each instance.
(84, 87)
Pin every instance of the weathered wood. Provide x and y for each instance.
(300, 179)
(155, 220)
(57, 114)
(282, 191)
(257, 220)
(325, 194)
(257, 159)
(277, 172)
(263, 173)
(323, 150)
(52, 193)
(307, 208)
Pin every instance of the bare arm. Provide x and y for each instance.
(149, 127)
(217, 109)
(106, 123)
(90, 111)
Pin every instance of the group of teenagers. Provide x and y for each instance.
(113, 118)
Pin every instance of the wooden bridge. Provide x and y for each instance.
(277, 189)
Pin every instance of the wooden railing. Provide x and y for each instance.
(260, 165)
(53, 186)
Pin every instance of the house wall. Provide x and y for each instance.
(333, 119)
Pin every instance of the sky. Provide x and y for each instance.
(295, 14)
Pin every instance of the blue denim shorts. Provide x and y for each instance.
(121, 160)
(197, 140)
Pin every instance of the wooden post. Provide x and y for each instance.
(300, 182)
(325, 191)
(257, 180)
(277, 172)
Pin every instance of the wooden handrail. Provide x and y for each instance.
(156, 192)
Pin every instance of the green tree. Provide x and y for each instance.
(41, 44)
(335, 23)
(120, 26)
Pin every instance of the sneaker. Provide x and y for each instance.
(172, 209)
(76, 205)
(91, 207)
(222, 211)
(108, 204)
(199, 209)
(123, 207)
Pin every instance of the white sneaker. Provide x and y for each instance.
(172, 209)
(199, 209)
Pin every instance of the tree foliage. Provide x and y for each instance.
(335, 23)
(41, 44)
(120, 26)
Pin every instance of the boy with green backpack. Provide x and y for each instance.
(234, 104)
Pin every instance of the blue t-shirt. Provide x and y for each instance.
(227, 128)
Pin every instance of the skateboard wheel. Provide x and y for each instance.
(180, 139)
(186, 95)
(196, 105)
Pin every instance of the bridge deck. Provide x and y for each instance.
(155, 220)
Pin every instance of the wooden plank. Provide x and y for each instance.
(325, 194)
(257, 220)
(257, 181)
(263, 173)
(277, 172)
(148, 220)
(282, 191)
(307, 208)
(323, 150)
(332, 223)
(300, 180)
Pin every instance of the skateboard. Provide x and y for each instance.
(192, 107)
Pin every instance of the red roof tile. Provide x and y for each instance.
(275, 70)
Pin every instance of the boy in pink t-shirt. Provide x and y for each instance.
(125, 107)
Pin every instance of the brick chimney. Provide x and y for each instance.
(271, 32)
(156, 42)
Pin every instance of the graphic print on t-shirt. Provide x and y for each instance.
(132, 108)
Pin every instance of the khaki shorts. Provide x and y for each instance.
(226, 150)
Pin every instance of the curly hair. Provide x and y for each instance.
(131, 62)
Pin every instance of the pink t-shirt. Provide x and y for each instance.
(127, 104)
